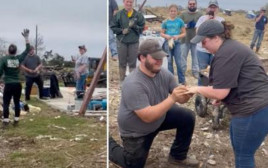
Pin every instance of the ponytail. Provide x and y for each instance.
(228, 27)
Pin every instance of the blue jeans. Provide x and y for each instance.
(247, 134)
(136, 149)
(112, 43)
(80, 83)
(204, 60)
(258, 34)
(185, 50)
(176, 53)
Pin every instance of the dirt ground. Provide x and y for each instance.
(211, 148)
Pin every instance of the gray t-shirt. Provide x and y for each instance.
(190, 20)
(31, 62)
(140, 91)
(81, 60)
(235, 66)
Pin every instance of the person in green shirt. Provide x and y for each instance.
(10, 68)
(127, 24)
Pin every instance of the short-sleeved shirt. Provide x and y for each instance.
(31, 62)
(112, 7)
(190, 19)
(140, 91)
(173, 27)
(238, 68)
(261, 23)
(81, 60)
(201, 20)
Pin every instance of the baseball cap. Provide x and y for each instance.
(213, 2)
(208, 28)
(82, 47)
(263, 8)
(152, 47)
(31, 47)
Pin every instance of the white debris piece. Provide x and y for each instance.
(265, 151)
(206, 144)
(211, 162)
(205, 129)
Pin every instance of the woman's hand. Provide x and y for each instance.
(176, 37)
(216, 102)
(168, 37)
(192, 90)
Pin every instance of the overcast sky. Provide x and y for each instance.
(64, 24)
(225, 4)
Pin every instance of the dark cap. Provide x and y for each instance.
(213, 2)
(208, 28)
(82, 47)
(263, 9)
(152, 47)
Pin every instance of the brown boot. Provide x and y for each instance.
(131, 69)
(122, 74)
(257, 49)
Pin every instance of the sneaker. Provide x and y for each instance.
(188, 162)
(4, 125)
(15, 123)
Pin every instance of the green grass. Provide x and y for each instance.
(24, 149)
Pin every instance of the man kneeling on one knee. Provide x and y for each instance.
(148, 106)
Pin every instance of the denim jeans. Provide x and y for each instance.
(80, 83)
(176, 53)
(247, 134)
(185, 50)
(135, 150)
(112, 43)
(258, 34)
(204, 60)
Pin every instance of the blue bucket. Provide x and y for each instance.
(46, 92)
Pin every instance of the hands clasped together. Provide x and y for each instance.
(182, 94)
(131, 24)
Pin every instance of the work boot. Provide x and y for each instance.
(188, 162)
(251, 47)
(257, 49)
(4, 125)
(15, 123)
(131, 69)
(122, 74)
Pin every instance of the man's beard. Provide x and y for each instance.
(150, 67)
(192, 9)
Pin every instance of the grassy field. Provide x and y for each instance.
(50, 138)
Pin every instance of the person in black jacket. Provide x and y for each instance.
(127, 24)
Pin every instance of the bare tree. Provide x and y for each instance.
(40, 44)
(3, 48)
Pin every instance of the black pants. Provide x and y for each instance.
(29, 83)
(11, 90)
(135, 151)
